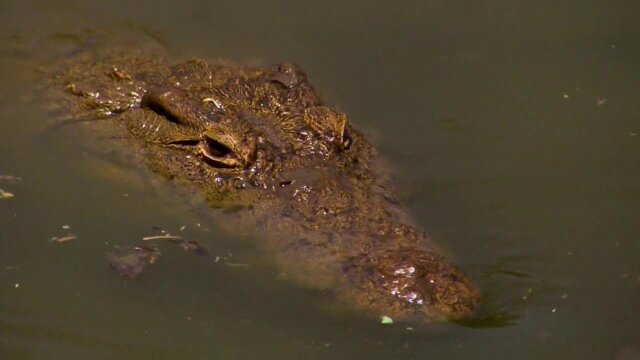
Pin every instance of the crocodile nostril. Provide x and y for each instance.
(346, 140)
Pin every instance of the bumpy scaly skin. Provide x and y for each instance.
(259, 139)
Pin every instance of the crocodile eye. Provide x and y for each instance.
(218, 155)
(215, 148)
(223, 146)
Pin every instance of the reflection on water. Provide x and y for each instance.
(512, 129)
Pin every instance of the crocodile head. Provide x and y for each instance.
(315, 194)
(239, 129)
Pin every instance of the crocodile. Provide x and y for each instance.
(265, 150)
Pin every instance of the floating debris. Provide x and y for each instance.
(183, 227)
(237, 264)
(63, 239)
(130, 261)
(192, 246)
(66, 227)
(10, 179)
(386, 320)
(224, 260)
(186, 245)
(162, 237)
(17, 285)
(5, 194)
(601, 101)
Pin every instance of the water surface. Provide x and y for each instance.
(513, 132)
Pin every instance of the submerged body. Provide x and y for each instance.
(260, 141)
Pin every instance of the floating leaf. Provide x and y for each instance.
(386, 320)
(192, 246)
(130, 261)
(5, 194)
(63, 239)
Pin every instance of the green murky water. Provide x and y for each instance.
(513, 130)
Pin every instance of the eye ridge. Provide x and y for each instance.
(158, 104)
(184, 142)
